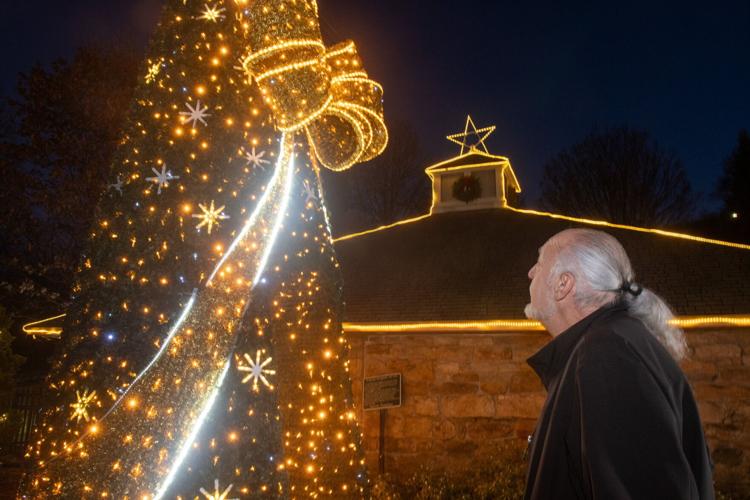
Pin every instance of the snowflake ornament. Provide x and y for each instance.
(244, 69)
(212, 13)
(117, 186)
(210, 216)
(195, 115)
(162, 178)
(217, 494)
(309, 193)
(81, 406)
(256, 159)
(256, 371)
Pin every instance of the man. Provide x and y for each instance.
(620, 420)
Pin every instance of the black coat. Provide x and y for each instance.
(620, 420)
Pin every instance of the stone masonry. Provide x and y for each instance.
(466, 395)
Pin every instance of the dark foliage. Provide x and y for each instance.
(620, 175)
(501, 477)
(56, 144)
(389, 188)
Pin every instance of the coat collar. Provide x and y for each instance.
(550, 360)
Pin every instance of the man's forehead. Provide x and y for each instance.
(549, 244)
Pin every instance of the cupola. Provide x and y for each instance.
(475, 179)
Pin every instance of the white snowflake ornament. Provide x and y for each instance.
(256, 370)
(162, 178)
(195, 115)
(218, 494)
(256, 159)
(117, 185)
(310, 195)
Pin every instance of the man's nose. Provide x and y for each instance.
(532, 271)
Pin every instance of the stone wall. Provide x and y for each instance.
(466, 396)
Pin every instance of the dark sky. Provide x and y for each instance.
(545, 73)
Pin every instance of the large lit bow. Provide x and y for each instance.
(325, 92)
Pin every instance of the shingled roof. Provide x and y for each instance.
(473, 266)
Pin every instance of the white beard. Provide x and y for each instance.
(531, 312)
(542, 313)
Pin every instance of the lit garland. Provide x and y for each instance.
(526, 325)
(43, 328)
(523, 325)
(166, 310)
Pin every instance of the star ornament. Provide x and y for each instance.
(256, 370)
(212, 13)
(195, 115)
(210, 216)
(162, 178)
(465, 139)
(218, 494)
(81, 406)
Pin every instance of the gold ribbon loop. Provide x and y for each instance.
(325, 92)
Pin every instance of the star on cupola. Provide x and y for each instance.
(475, 179)
(478, 135)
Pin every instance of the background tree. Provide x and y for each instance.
(734, 188)
(9, 361)
(9, 364)
(56, 142)
(391, 187)
(620, 175)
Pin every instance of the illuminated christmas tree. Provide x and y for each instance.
(204, 355)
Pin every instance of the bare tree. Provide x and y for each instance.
(389, 188)
(734, 188)
(620, 175)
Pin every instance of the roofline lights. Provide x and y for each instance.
(593, 222)
(661, 232)
(525, 325)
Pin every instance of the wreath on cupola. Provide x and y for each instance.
(467, 188)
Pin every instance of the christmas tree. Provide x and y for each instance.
(204, 355)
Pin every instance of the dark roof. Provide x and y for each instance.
(473, 266)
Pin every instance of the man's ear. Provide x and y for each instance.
(565, 286)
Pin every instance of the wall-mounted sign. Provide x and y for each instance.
(383, 391)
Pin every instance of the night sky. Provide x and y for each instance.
(546, 73)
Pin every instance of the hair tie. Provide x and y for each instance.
(633, 289)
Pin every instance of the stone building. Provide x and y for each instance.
(440, 298)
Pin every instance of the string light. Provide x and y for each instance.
(481, 134)
(525, 325)
(41, 328)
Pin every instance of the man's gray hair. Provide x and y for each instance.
(601, 267)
